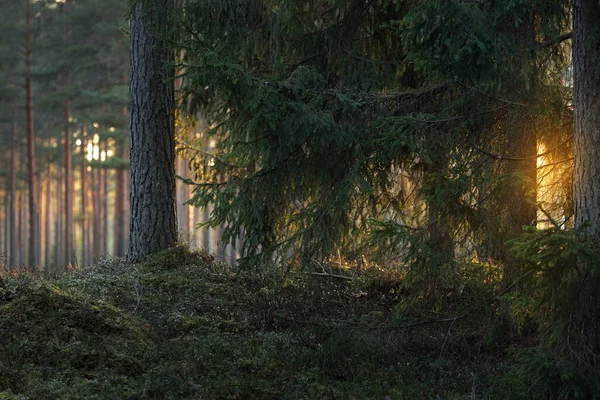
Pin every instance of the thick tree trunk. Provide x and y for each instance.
(153, 225)
(586, 182)
(33, 259)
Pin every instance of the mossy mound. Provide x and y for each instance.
(182, 326)
(55, 344)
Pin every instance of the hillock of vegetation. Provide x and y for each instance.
(182, 326)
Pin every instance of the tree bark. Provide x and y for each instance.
(33, 259)
(586, 180)
(153, 225)
(12, 222)
(68, 161)
(119, 237)
(84, 221)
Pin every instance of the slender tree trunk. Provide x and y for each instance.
(19, 232)
(48, 217)
(12, 215)
(104, 214)
(586, 182)
(153, 225)
(59, 233)
(97, 220)
(33, 259)
(84, 259)
(119, 239)
(68, 159)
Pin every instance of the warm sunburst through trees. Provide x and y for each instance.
(448, 147)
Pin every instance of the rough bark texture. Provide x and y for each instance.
(153, 225)
(586, 182)
(34, 230)
(586, 50)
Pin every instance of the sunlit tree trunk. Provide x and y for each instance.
(84, 221)
(59, 221)
(33, 259)
(153, 225)
(586, 182)
(48, 217)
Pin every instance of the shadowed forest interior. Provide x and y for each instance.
(380, 182)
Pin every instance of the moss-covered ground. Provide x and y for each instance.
(180, 326)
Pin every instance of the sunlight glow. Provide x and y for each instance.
(78, 142)
(95, 125)
(90, 150)
(96, 138)
(109, 153)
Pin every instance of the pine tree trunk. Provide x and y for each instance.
(68, 167)
(12, 215)
(59, 232)
(97, 220)
(33, 258)
(104, 214)
(586, 182)
(48, 217)
(153, 225)
(119, 239)
(19, 236)
(83, 199)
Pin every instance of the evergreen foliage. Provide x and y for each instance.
(328, 116)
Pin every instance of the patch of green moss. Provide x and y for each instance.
(178, 326)
(52, 341)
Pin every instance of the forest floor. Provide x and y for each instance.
(181, 326)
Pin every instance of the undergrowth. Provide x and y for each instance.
(182, 326)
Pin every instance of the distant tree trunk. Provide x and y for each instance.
(48, 217)
(153, 225)
(83, 199)
(206, 229)
(104, 206)
(97, 217)
(12, 179)
(68, 161)
(59, 231)
(586, 182)
(33, 259)
(119, 237)
(19, 237)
